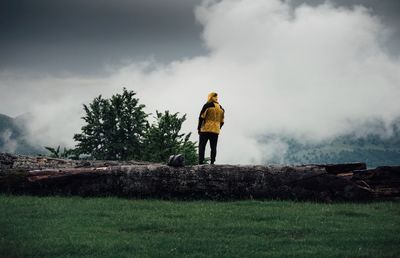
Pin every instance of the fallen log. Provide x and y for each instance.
(6, 161)
(342, 168)
(190, 182)
(321, 182)
(385, 180)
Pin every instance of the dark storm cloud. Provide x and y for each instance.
(82, 36)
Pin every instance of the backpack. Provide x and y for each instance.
(176, 160)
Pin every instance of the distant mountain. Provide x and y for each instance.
(372, 149)
(12, 136)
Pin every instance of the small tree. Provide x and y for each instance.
(163, 138)
(114, 128)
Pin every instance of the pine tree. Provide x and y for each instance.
(163, 138)
(114, 128)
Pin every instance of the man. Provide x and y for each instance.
(211, 120)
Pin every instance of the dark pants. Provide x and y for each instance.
(204, 137)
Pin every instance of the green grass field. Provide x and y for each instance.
(112, 227)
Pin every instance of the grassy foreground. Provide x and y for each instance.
(112, 227)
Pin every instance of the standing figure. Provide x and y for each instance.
(211, 120)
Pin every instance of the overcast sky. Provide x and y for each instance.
(85, 36)
(310, 70)
(82, 36)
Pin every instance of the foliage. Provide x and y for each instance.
(115, 227)
(163, 138)
(372, 149)
(114, 128)
(117, 129)
(55, 152)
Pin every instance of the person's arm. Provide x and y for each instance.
(200, 123)
(222, 117)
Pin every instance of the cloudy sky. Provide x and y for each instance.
(309, 69)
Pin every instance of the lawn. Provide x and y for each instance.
(113, 227)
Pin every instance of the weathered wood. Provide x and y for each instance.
(342, 168)
(385, 180)
(141, 179)
(6, 161)
(205, 181)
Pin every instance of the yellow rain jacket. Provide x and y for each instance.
(211, 117)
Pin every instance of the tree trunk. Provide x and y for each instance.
(331, 182)
(211, 182)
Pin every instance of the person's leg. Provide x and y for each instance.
(202, 147)
(213, 143)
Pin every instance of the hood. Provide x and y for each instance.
(212, 97)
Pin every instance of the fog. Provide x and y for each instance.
(307, 72)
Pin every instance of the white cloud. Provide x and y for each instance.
(9, 144)
(310, 72)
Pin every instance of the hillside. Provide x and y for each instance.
(372, 149)
(13, 136)
(375, 149)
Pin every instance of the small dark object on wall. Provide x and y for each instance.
(176, 160)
